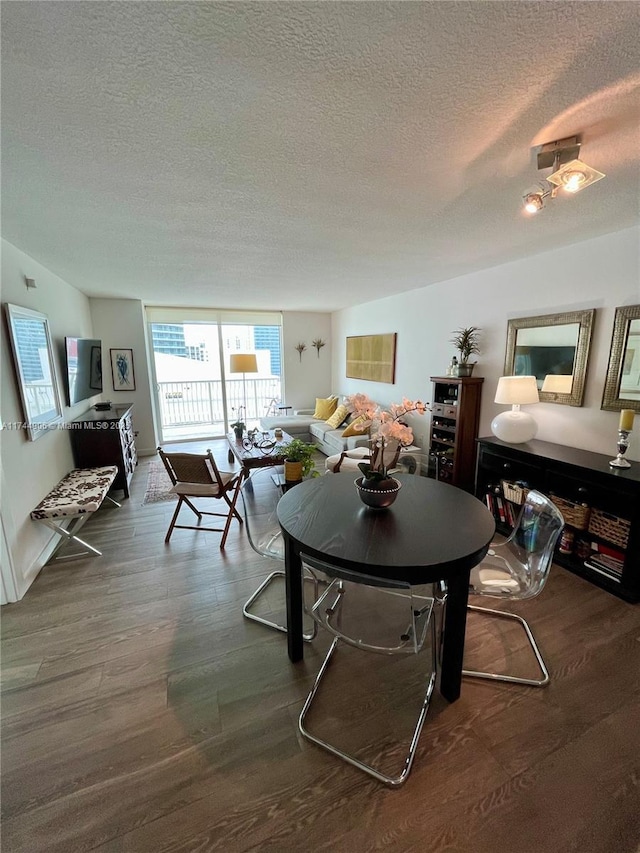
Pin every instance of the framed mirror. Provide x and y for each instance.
(35, 369)
(555, 349)
(622, 385)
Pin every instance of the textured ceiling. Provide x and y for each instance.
(307, 156)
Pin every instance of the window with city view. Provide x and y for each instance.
(197, 395)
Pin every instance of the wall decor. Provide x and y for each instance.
(555, 349)
(122, 370)
(35, 369)
(372, 357)
(622, 385)
(318, 343)
(301, 348)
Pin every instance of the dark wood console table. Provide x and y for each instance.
(106, 438)
(601, 505)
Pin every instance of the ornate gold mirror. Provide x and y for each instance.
(555, 349)
(622, 386)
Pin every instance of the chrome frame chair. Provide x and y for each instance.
(260, 494)
(195, 475)
(517, 569)
(409, 639)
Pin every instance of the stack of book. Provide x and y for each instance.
(605, 564)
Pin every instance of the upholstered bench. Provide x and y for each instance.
(76, 497)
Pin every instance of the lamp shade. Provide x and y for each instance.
(515, 426)
(243, 362)
(517, 390)
(557, 383)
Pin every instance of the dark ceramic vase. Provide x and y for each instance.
(378, 498)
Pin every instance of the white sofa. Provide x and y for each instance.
(303, 425)
(298, 424)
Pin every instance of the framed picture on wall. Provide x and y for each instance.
(372, 357)
(122, 370)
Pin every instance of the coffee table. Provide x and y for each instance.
(254, 457)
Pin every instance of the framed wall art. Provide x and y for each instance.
(372, 357)
(122, 370)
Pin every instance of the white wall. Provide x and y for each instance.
(31, 468)
(310, 376)
(601, 274)
(121, 324)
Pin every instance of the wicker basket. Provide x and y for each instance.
(610, 527)
(514, 493)
(575, 515)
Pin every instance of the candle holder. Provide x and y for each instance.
(623, 443)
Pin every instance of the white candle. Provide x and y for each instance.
(626, 420)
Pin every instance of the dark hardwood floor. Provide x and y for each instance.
(142, 712)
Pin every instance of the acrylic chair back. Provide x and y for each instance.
(526, 555)
(260, 496)
(380, 615)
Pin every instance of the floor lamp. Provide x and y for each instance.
(243, 362)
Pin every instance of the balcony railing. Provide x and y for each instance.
(196, 403)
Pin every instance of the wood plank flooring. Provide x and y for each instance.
(141, 712)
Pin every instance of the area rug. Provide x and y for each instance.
(158, 485)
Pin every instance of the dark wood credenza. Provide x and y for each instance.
(601, 505)
(106, 438)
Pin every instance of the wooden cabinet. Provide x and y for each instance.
(600, 505)
(455, 415)
(106, 438)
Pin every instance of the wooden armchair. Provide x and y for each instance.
(196, 475)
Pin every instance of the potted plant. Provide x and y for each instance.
(238, 426)
(376, 487)
(466, 342)
(298, 460)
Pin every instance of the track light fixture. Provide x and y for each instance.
(568, 172)
(534, 200)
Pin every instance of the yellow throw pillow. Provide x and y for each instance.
(351, 429)
(338, 417)
(325, 408)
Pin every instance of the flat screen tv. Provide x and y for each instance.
(84, 368)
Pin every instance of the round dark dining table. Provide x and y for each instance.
(432, 532)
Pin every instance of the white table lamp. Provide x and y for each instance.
(243, 362)
(515, 426)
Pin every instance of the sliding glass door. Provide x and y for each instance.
(198, 393)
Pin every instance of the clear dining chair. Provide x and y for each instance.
(380, 616)
(260, 494)
(518, 569)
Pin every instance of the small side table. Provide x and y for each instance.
(285, 409)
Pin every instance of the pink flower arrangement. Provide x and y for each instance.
(387, 425)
